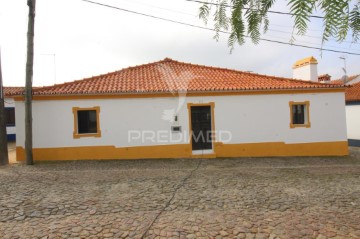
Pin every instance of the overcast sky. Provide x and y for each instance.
(75, 39)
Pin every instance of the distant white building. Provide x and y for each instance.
(171, 109)
(305, 69)
(352, 95)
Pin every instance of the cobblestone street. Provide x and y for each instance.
(183, 198)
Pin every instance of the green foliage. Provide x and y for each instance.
(204, 12)
(354, 22)
(301, 10)
(246, 18)
(237, 24)
(220, 18)
(336, 12)
(253, 17)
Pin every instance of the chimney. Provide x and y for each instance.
(306, 69)
(326, 78)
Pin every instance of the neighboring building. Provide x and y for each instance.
(352, 95)
(348, 81)
(353, 80)
(326, 78)
(10, 111)
(171, 109)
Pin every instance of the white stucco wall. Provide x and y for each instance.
(9, 102)
(250, 119)
(307, 72)
(353, 121)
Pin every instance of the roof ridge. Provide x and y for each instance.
(250, 73)
(105, 74)
(352, 93)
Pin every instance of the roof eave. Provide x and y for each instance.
(339, 87)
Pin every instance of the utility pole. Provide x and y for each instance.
(4, 157)
(28, 85)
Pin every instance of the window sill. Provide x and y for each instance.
(78, 136)
(308, 125)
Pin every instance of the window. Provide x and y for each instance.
(299, 114)
(86, 122)
(10, 116)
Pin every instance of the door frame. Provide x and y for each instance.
(212, 106)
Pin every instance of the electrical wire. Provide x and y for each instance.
(291, 27)
(162, 8)
(210, 29)
(310, 36)
(276, 25)
(306, 42)
(226, 5)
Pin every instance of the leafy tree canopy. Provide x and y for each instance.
(247, 18)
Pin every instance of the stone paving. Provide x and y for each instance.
(314, 197)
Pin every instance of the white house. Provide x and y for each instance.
(305, 71)
(10, 111)
(352, 95)
(171, 109)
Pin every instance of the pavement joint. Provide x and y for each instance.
(302, 197)
(183, 181)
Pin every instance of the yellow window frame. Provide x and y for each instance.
(307, 123)
(76, 134)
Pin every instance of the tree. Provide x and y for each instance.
(4, 157)
(28, 85)
(247, 18)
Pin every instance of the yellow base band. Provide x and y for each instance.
(184, 151)
(281, 149)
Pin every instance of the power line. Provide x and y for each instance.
(185, 13)
(312, 43)
(226, 5)
(283, 26)
(162, 8)
(310, 36)
(210, 29)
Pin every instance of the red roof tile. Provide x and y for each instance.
(13, 90)
(352, 93)
(172, 76)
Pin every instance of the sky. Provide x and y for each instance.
(75, 39)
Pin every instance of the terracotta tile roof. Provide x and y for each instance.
(352, 93)
(172, 76)
(13, 90)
